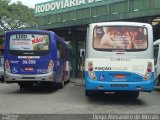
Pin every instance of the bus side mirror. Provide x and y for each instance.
(82, 53)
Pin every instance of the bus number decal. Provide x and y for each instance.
(28, 61)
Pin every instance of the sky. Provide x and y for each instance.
(30, 3)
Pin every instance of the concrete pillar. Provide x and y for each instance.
(75, 53)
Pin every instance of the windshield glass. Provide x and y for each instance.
(121, 37)
(29, 44)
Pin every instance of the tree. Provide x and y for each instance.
(16, 15)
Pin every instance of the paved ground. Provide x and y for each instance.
(71, 100)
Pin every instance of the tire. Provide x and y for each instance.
(135, 94)
(25, 85)
(49, 85)
(88, 93)
(60, 85)
(2, 79)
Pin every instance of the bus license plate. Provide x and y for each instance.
(28, 68)
(120, 76)
(119, 85)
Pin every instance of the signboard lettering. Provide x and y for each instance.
(61, 4)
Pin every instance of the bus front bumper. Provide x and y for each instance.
(14, 78)
(95, 85)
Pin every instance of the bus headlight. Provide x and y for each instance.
(91, 72)
(50, 66)
(7, 66)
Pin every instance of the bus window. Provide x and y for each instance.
(27, 44)
(58, 54)
(61, 49)
(121, 37)
(156, 50)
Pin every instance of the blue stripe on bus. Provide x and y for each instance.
(132, 82)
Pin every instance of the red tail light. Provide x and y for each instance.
(7, 66)
(90, 69)
(50, 66)
(149, 71)
(91, 72)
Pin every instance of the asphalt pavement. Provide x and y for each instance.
(72, 100)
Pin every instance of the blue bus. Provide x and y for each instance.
(1, 63)
(36, 56)
(119, 58)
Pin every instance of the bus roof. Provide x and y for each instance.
(120, 23)
(27, 31)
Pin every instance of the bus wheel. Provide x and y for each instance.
(61, 85)
(25, 85)
(88, 93)
(2, 79)
(134, 94)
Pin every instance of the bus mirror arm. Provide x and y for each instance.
(157, 42)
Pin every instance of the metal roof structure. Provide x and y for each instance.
(67, 14)
(50, 16)
(64, 16)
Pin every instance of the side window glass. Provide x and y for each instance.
(60, 51)
(156, 50)
(58, 54)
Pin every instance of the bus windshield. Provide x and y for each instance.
(29, 44)
(126, 38)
